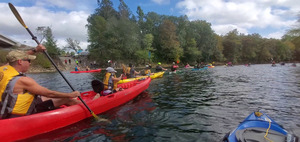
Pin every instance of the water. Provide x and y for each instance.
(188, 106)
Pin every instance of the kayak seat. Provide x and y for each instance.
(256, 134)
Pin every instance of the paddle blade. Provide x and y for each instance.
(98, 119)
(17, 15)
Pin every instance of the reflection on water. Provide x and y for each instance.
(190, 106)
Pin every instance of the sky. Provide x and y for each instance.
(67, 18)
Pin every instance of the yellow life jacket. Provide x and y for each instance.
(109, 84)
(147, 71)
(7, 72)
(128, 70)
(17, 104)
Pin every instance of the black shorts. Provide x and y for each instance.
(44, 106)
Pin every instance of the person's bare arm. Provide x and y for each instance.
(27, 83)
(117, 79)
(39, 48)
(137, 72)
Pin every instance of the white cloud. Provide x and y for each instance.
(63, 24)
(243, 15)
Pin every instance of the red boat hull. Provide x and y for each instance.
(97, 70)
(32, 125)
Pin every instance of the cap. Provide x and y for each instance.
(18, 55)
(147, 66)
(159, 63)
(110, 69)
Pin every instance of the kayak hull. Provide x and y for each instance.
(89, 71)
(155, 75)
(257, 124)
(27, 126)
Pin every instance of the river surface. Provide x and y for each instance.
(188, 106)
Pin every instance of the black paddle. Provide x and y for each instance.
(17, 15)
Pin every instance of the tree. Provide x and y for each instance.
(41, 32)
(169, 44)
(73, 44)
(124, 11)
(232, 46)
(191, 52)
(106, 9)
(50, 43)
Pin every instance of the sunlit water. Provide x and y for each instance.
(187, 106)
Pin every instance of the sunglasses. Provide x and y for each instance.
(27, 60)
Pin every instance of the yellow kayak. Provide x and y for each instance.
(158, 74)
(155, 75)
(131, 79)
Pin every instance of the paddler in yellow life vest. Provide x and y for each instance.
(127, 73)
(110, 81)
(147, 71)
(21, 95)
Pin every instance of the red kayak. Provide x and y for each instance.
(96, 70)
(28, 126)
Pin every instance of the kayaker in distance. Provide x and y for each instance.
(147, 71)
(174, 67)
(159, 68)
(87, 68)
(187, 65)
(110, 81)
(16, 88)
(77, 68)
(133, 73)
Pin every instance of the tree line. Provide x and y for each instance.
(122, 36)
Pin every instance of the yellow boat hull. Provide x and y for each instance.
(155, 75)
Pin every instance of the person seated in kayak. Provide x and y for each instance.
(159, 68)
(174, 67)
(98, 87)
(187, 65)
(147, 71)
(133, 73)
(273, 63)
(87, 68)
(22, 95)
(110, 81)
(124, 72)
(77, 68)
(127, 73)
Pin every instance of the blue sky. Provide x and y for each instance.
(67, 18)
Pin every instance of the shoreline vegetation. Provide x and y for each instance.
(42, 65)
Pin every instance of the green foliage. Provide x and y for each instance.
(170, 47)
(50, 43)
(3, 54)
(120, 36)
(232, 46)
(42, 60)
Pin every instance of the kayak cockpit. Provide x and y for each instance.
(256, 134)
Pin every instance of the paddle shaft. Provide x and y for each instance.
(19, 18)
(46, 53)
